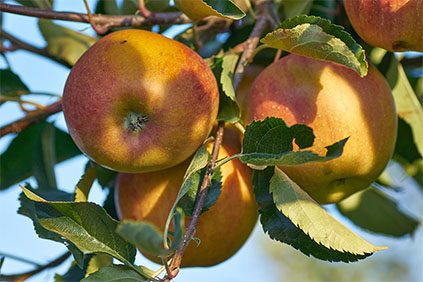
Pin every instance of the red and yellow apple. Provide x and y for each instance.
(222, 230)
(395, 25)
(336, 103)
(137, 101)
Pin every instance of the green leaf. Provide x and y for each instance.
(198, 162)
(64, 43)
(45, 158)
(279, 227)
(115, 273)
(317, 38)
(293, 8)
(406, 102)
(75, 272)
(375, 211)
(197, 10)
(42, 4)
(85, 183)
(187, 202)
(11, 84)
(18, 159)
(269, 142)
(84, 224)
(98, 261)
(405, 147)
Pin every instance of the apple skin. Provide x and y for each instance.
(223, 229)
(137, 101)
(395, 25)
(336, 103)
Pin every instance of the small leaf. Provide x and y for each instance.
(312, 219)
(317, 38)
(115, 273)
(293, 8)
(84, 184)
(269, 142)
(45, 158)
(84, 224)
(75, 272)
(197, 10)
(98, 261)
(281, 228)
(11, 84)
(18, 159)
(375, 211)
(406, 102)
(64, 43)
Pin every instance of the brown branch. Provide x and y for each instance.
(19, 44)
(105, 21)
(31, 118)
(26, 275)
(190, 230)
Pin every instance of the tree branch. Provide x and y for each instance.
(26, 275)
(104, 21)
(31, 118)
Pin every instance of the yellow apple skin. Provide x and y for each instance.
(222, 230)
(395, 25)
(336, 103)
(137, 101)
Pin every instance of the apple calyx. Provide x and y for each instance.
(135, 122)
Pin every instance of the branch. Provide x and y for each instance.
(26, 275)
(31, 118)
(104, 21)
(18, 44)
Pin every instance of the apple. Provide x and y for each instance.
(336, 103)
(395, 25)
(223, 229)
(137, 101)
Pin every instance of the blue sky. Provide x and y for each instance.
(17, 235)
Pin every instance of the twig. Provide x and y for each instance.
(190, 230)
(31, 118)
(19, 259)
(98, 30)
(105, 21)
(17, 43)
(143, 10)
(26, 275)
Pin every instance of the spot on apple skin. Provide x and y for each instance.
(135, 122)
(123, 41)
(400, 45)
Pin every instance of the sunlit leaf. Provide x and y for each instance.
(115, 273)
(98, 261)
(84, 184)
(197, 10)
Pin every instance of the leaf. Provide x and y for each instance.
(197, 10)
(11, 84)
(64, 43)
(405, 148)
(42, 4)
(406, 102)
(18, 159)
(293, 8)
(98, 261)
(148, 237)
(187, 202)
(317, 38)
(45, 158)
(85, 183)
(84, 224)
(375, 211)
(115, 273)
(229, 110)
(269, 142)
(75, 272)
(279, 227)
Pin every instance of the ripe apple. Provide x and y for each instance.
(336, 103)
(137, 101)
(223, 229)
(395, 25)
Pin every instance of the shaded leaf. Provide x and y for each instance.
(280, 228)
(84, 224)
(64, 43)
(18, 159)
(11, 84)
(115, 273)
(293, 8)
(317, 38)
(197, 10)
(405, 148)
(75, 272)
(375, 211)
(45, 158)
(270, 142)
(42, 4)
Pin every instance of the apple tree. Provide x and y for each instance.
(255, 110)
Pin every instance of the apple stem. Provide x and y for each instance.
(135, 122)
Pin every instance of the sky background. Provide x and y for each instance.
(258, 260)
